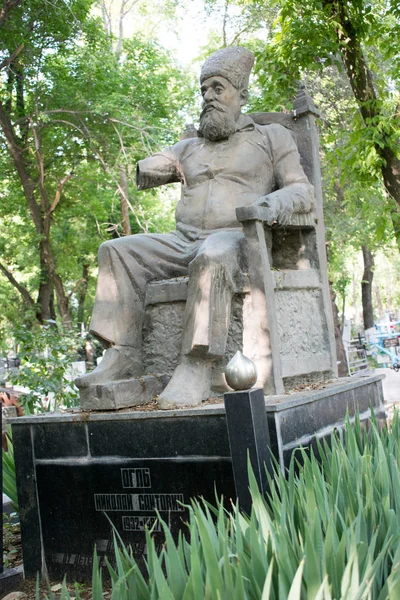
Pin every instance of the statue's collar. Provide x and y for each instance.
(244, 123)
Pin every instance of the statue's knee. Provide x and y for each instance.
(211, 260)
(208, 258)
(108, 249)
(119, 245)
(104, 249)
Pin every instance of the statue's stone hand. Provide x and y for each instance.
(280, 208)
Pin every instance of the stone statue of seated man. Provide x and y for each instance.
(232, 163)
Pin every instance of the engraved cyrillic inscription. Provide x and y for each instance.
(139, 523)
(139, 502)
(136, 478)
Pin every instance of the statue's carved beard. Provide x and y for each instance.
(216, 123)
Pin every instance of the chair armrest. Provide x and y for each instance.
(261, 213)
(252, 213)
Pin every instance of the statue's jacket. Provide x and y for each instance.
(218, 177)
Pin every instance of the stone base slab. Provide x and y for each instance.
(127, 393)
(11, 580)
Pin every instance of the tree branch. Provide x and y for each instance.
(122, 189)
(83, 130)
(106, 18)
(12, 57)
(40, 165)
(59, 190)
(22, 290)
(27, 183)
(124, 11)
(76, 287)
(8, 5)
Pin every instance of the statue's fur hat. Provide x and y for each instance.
(234, 64)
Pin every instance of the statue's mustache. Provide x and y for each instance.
(209, 107)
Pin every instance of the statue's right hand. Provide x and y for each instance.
(279, 208)
(271, 215)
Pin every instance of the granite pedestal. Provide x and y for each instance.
(76, 469)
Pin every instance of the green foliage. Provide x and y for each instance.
(79, 112)
(311, 41)
(330, 531)
(9, 481)
(46, 354)
(304, 38)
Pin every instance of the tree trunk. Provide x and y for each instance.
(120, 37)
(106, 18)
(379, 304)
(355, 290)
(395, 214)
(126, 225)
(51, 282)
(53, 315)
(40, 214)
(343, 309)
(340, 352)
(47, 258)
(82, 291)
(125, 8)
(62, 302)
(366, 288)
(8, 5)
(10, 89)
(44, 297)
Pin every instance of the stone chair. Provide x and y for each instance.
(292, 341)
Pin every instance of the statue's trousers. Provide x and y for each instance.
(215, 265)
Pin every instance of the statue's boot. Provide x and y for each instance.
(119, 362)
(190, 384)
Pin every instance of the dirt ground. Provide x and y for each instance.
(12, 557)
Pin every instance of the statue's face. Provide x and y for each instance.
(220, 108)
(218, 90)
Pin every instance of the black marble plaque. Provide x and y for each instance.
(79, 504)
